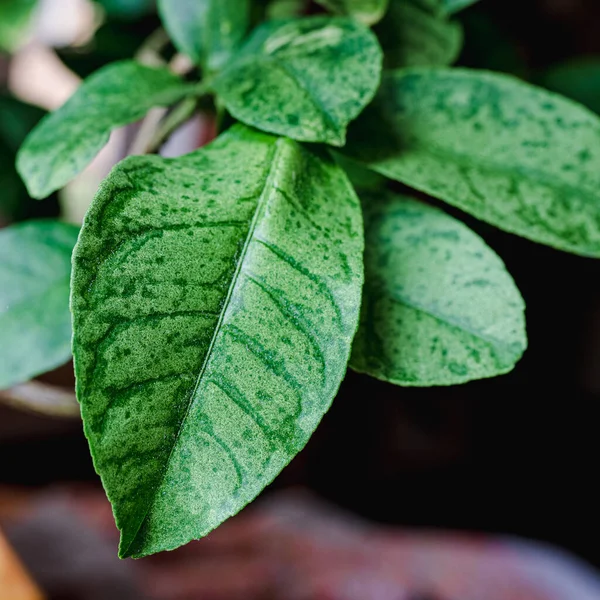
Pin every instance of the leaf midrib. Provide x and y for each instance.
(402, 299)
(262, 201)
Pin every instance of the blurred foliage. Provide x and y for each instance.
(14, 22)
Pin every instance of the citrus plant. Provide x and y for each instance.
(218, 298)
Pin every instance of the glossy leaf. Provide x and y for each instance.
(415, 34)
(511, 154)
(208, 31)
(438, 307)
(66, 141)
(367, 11)
(215, 298)
(35, 323)
(305, 79)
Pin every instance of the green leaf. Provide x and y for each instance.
(215, 298)
(366, 11)
(305, 79)
(285, 9)
(15, 18)
(454, 6)
(66, 141)
(414, 34)
(511, 154)
(128, 9)
(439, 307)
(208, 31)
(579, 80)
(35, 323)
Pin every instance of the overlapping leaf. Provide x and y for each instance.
(208, 31)
(65, 142)
(35, 268)
(438, 307)
(305, 79)
(215, 298)
(367, 11)
(414, 33)
(511, 154)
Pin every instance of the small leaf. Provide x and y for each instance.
(305, 79)
(511, 154)
(414, 34)
(208, 31)
(15, 20)
(215, 298)
(366, 11)
(66, 141)
(439, 307)
(454, 6)
(285, 9)
(35, 267)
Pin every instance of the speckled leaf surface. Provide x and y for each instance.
(305, 79)
(66, 141)
(511, 154)
(366, 11)
(415, 34)
(215, 298)
(439, 307)
(208, 31)
(35, 322)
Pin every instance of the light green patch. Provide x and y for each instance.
(15, 20)
(208, 31)
(35, 323)
(305, 79)
(438, 307)
(511, 154)
(66, 141)
(215, 298)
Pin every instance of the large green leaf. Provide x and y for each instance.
(439, 307)
(65, 142)
(15, 17)
(367, 11)
(516, 156)
(414, 34)
(35, 323)
(208, 31)
(306, 78)
(215, 298)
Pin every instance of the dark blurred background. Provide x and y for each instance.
(517, 454)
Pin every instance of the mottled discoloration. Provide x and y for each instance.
(415, 34)
(306, 79)
(513, 155)
(66, 141)
(35, 269)
(215, 297)
(208, 31)
(439, 307)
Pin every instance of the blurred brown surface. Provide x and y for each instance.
(15, 582)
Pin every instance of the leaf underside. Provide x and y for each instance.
(215, 298)
(438, 306)
(35, 269)
(66, 141)
(305, 79)
(511, 154)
